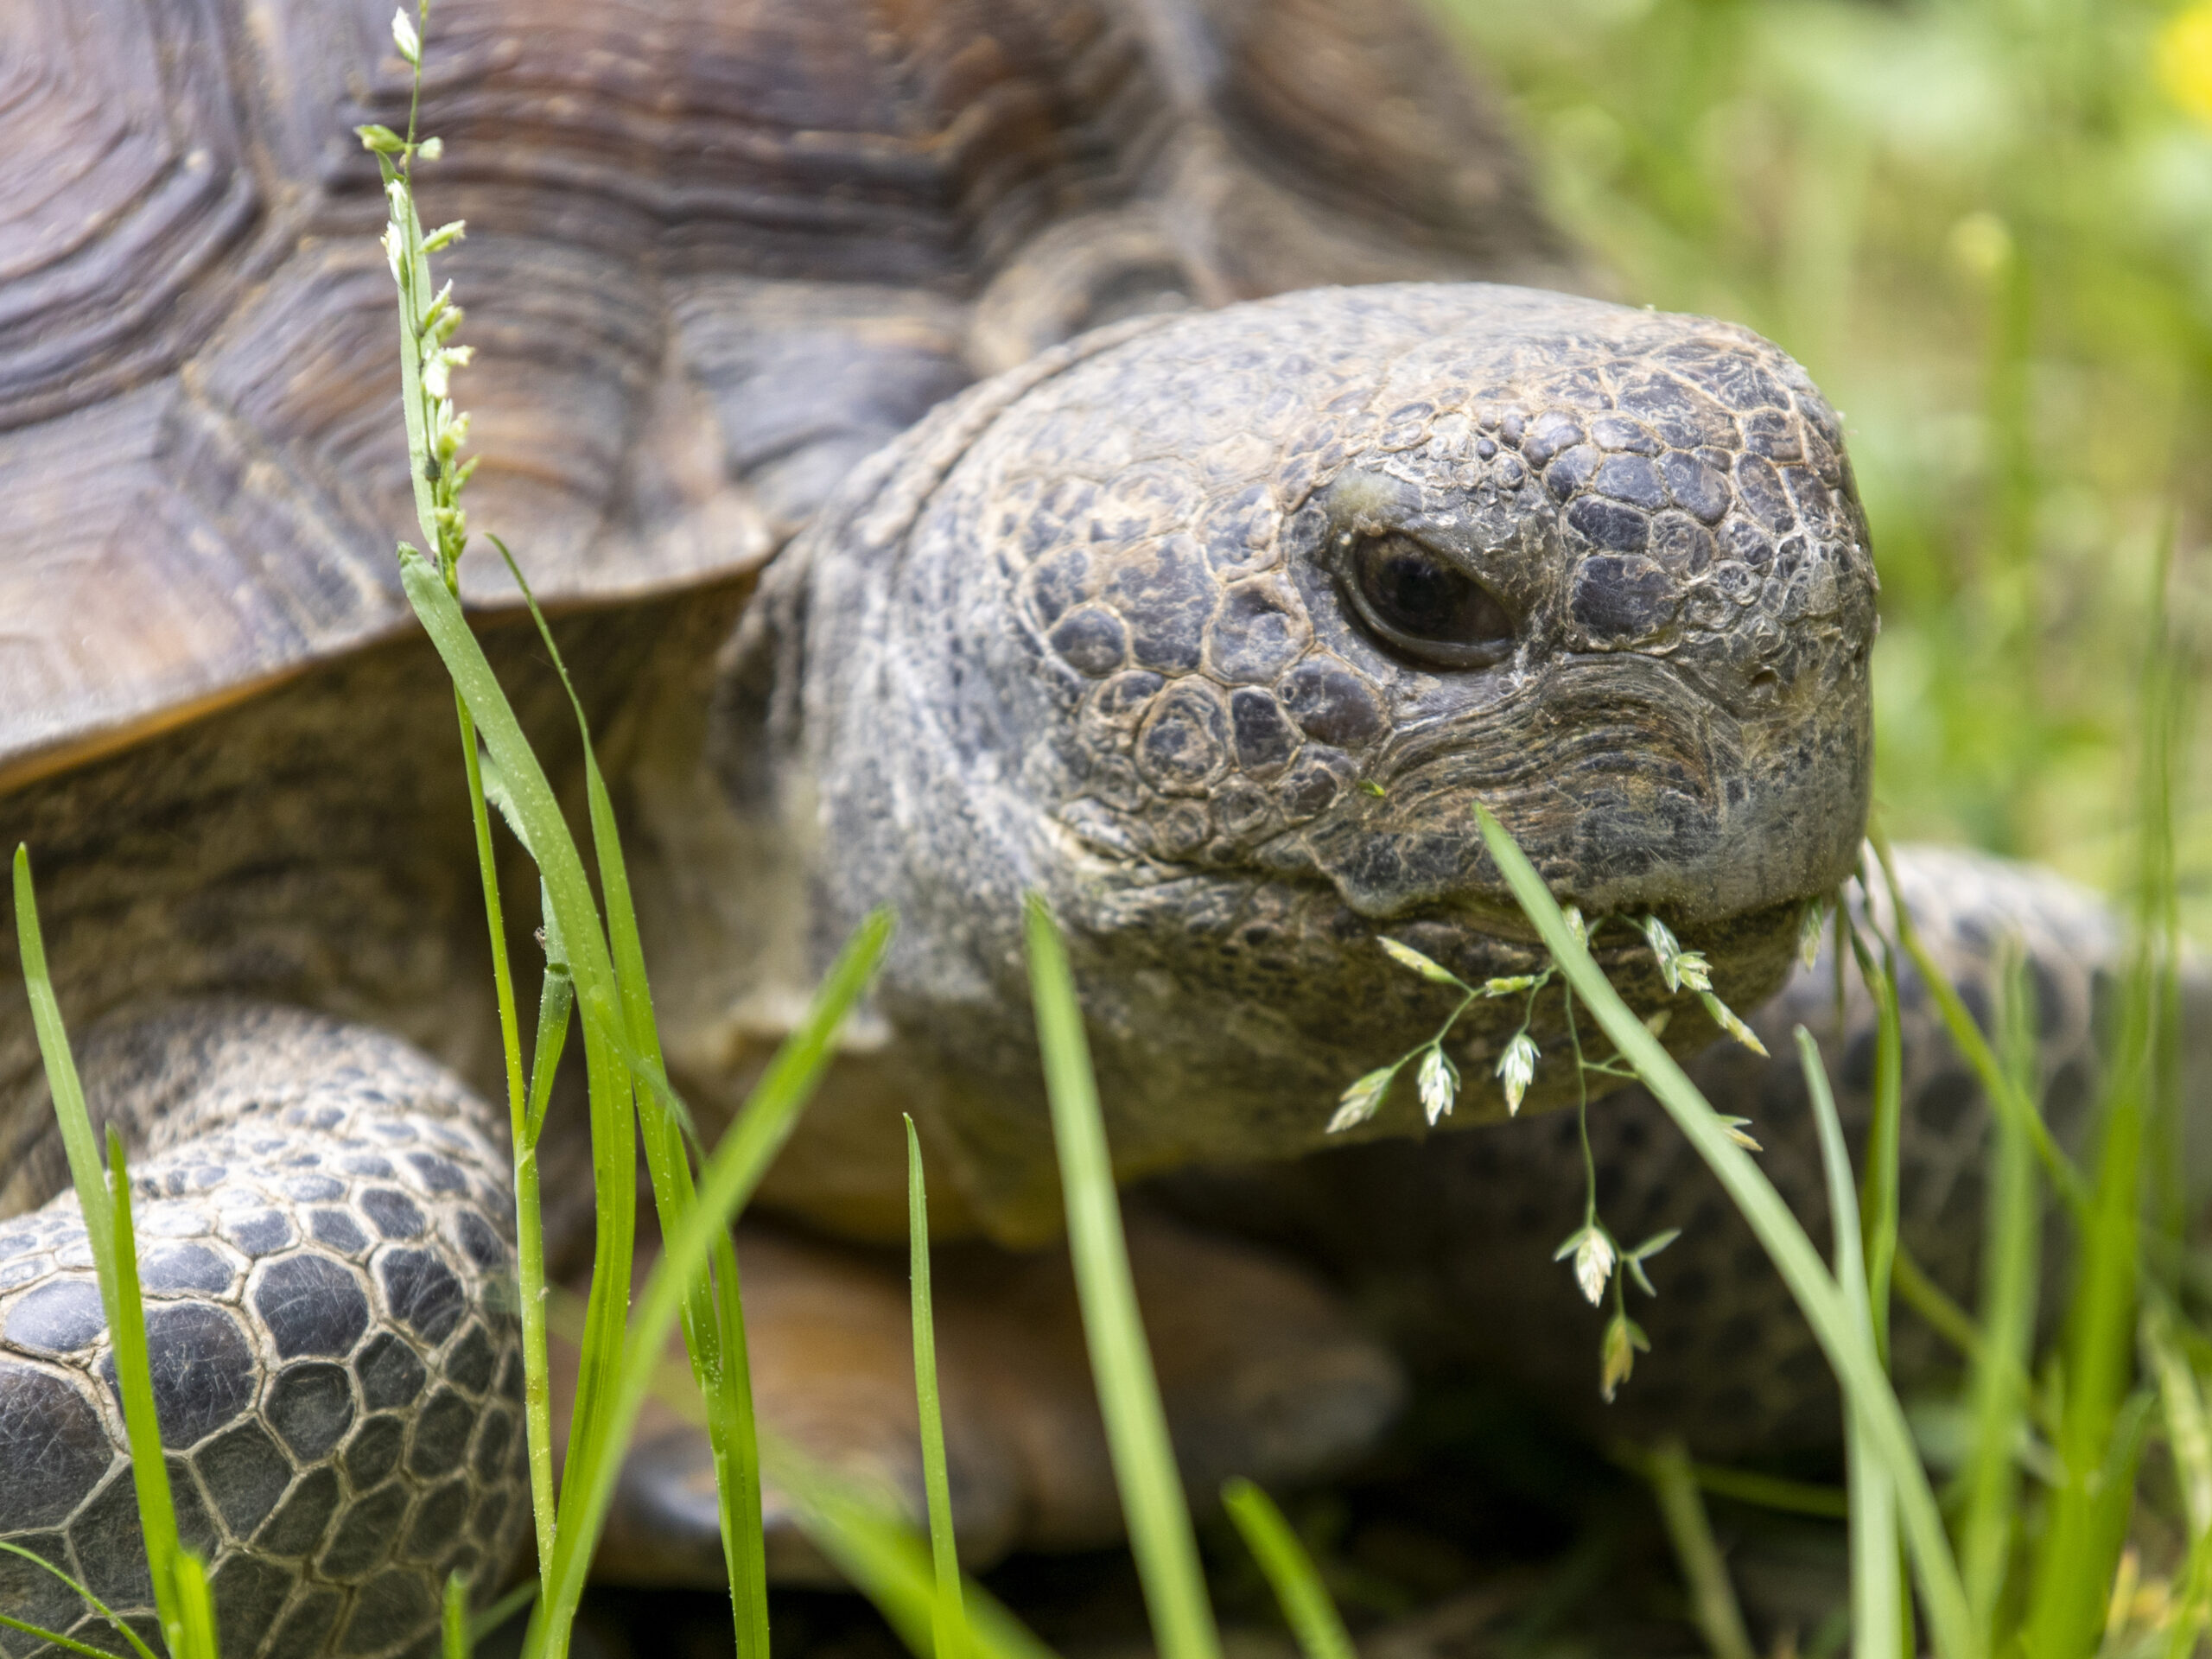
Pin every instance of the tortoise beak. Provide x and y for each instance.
(1632, 786)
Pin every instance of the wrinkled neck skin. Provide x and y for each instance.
(1099, 629)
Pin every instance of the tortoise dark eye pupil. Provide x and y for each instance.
(1425, 606)
(1415, 593)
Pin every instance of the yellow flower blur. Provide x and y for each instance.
(2185, 59)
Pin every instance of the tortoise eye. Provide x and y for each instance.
(1425, 606)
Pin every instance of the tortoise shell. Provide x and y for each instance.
(716, 252)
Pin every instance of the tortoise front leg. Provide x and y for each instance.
(325, 1234)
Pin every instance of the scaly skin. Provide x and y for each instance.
(324, 1234)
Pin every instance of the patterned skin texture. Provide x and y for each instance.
(325, 1241)
(1216, 634)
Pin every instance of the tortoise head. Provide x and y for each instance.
(1216, 630)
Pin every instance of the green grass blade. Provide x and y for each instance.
(886, 1562)
(2081, 1548)
(544, 833)
(456, 1635)
(2189, 1428)
(2196, 1598)
(1879, 1198)
(1857, 1366)
(501, 1611)
(862, 1534)
(536, 1378)
(1879, 1609)
(522, 1131)
(196, 1608)
(726, 1183)
(1306, 1607)
(2010, 1102)
(2164, 701)
(950, 1619)
(78, 1139)
(68, 1643)
(91, 1600)
(713, 1316)
(1933, 1303)
(134, 1381)
(1712, 1599)
(1772, 1491)
(103, 1196)
(556, 1001)
(2000, 1391)
(1128, 1392)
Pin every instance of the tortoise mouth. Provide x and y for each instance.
(1630, 791)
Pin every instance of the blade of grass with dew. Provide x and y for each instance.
(731, 1173)
(117, 1269)
(949, 1626)
(91, 1600)
(1712, 1599)
(1879, 1609)
(2011, 1275)
(1159, 1520)
(1305, 1600)
(714, 1315)
(1857, 1368)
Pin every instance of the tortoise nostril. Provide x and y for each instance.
(1424, 605)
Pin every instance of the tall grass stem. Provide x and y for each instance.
(1857, 1368)
(1306, 1608)
(1153, 1505)
(949, 1618)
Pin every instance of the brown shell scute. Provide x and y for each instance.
(717, 255)
(128, 207)
(691, 278)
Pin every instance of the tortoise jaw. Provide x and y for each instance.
(1631, 790)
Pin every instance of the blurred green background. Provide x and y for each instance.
(1985, 227)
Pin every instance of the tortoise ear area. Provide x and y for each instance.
(1080, 274)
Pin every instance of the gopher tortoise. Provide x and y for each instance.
(1096, 571)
